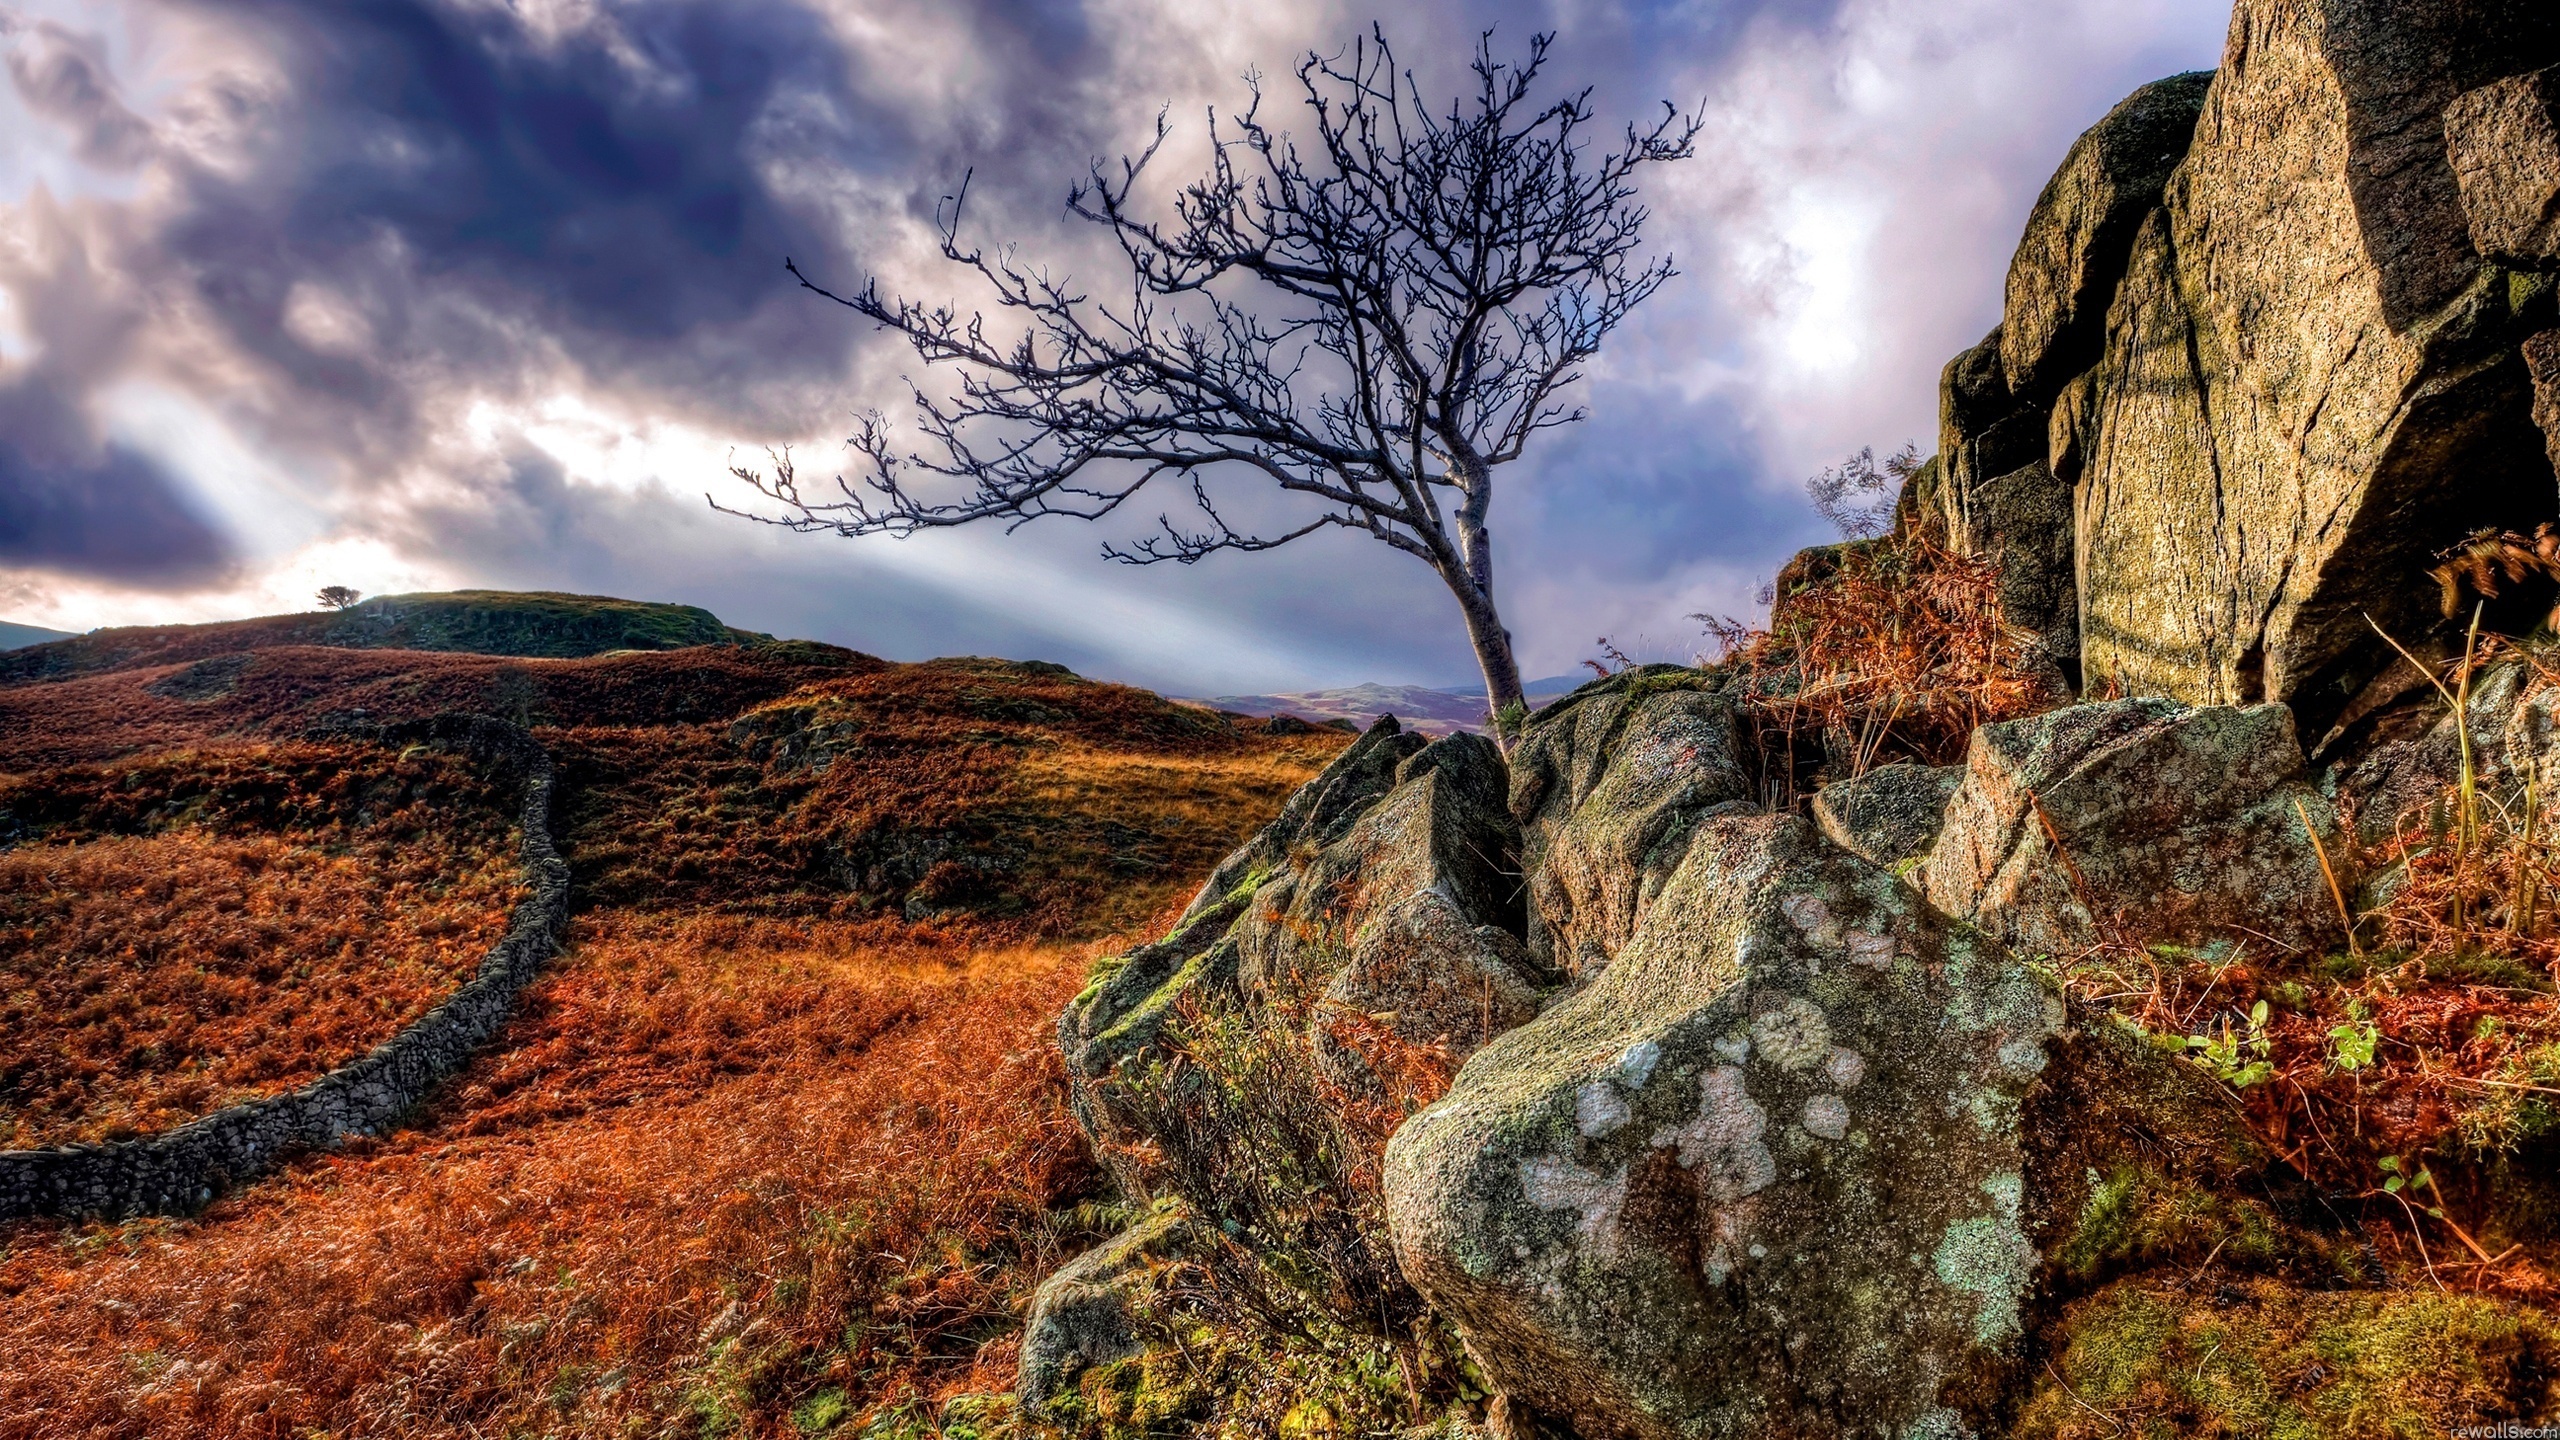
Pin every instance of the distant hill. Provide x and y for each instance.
(18, 637)
(1417, 707)
(480, 622)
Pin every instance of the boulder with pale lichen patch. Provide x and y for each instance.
(1764, 1172)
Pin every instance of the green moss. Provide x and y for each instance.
(2136, 1218)
(2277, 1362)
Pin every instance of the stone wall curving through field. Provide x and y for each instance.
(183, 1169)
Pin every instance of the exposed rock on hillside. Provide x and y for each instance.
(533, 624)
(1375, 921)
(2148, 815)
(2312, 380)
(1607, 790)
(1664, 1208)
(2081, 232)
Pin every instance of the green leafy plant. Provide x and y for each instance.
(2351, 1044)
(2396, 1177)
(2238, 1059)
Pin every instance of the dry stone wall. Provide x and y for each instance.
(183, 1169)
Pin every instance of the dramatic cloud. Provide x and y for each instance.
(434, 292)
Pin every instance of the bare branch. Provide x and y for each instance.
(1376, 322)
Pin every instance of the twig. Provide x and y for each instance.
(2423, 1257)
(2210, 1256)
(2345, 916)
(2459, 1233)
(2076, 1400)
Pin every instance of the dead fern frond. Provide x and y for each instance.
(2484, 556)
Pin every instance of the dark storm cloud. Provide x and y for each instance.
(606, 189)
(101, 511)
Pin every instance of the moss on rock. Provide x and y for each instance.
(2148, 1358)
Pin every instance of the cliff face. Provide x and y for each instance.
(2252, 392)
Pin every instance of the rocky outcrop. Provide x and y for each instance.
(181, 1171)
(2004, 491)
(2080, 234)
(1660, 1210)
(2542, 361)
(2136, 816)
(1606, 788)
(2504, 140)
(1378, 917)
(1808, 1157)
(2311, 380)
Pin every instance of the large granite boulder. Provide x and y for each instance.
(2505, 143)
(1321, 812)
(2080, 234)
(1408, 925)
(2148, 817)
(1443, 829)
(1606, 792)
(2003, 491)
(1372, 931)
(1803, 1160)
(2311, 381)
(1083, 1314)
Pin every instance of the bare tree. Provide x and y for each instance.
(1374, 327)
(339, 597)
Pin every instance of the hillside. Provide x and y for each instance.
(785, 1080)
(486, 622)
(18, 637)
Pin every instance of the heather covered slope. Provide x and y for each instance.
(774, 1136)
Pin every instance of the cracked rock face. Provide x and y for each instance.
(1764, 1172)
(1607, 795)
(2189, 821)
(1386, 893)
(2311, 380)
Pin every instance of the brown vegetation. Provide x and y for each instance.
(841, 1180)
(284, 691)
(147, 981)
(1882, 650)
(764, 1143)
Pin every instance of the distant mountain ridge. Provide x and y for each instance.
(1423, 708)
(18, 637)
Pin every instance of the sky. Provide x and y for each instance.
(432, 294)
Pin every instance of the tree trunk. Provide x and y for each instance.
(1472, 581)
(1493, 655)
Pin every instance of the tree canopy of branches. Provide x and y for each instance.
(339, 597)
(1374, 325)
